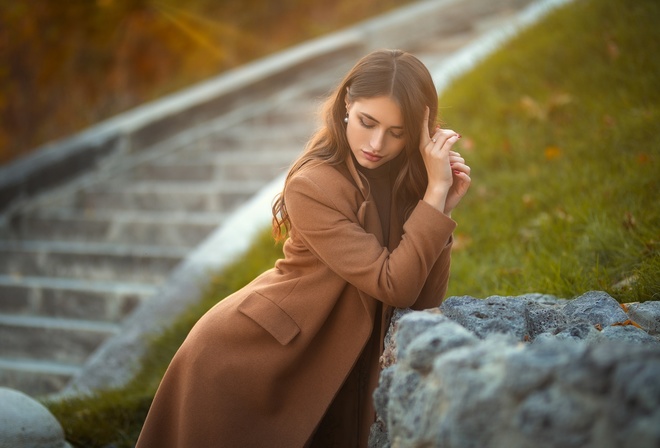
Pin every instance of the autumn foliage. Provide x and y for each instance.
(67, 65)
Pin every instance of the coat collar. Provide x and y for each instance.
(368, 212)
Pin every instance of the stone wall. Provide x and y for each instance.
(528, 371)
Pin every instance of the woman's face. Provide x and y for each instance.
(375, 130)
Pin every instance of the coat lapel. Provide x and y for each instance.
(370, 221)
(368, 212)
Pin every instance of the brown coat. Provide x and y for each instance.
(261, 368)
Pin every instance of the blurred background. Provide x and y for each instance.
(560, 127)
(67, 65)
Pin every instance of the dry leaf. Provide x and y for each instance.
(461, 241)
(532, 108)
(552, 153)
(629, 221)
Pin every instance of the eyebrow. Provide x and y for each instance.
(373, 119)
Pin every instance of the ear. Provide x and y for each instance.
(348, 104)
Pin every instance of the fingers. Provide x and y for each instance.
(456, 160)
(442, 136)
(458, 168)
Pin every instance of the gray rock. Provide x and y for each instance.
(596, 307)
(529, 370)
(497, 393)
(556, 418)
(495, 314)
(637, 388)
(410, 326)
(544, 320)
(546, 300)
(378, 437)
(576, 330)
(389, 353)
(647, 315)
(24, 422)
(466, 379)
(629, 333)
(420, 352)
(382, 394)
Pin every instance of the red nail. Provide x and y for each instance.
(457, 172)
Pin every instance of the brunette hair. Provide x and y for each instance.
(393, 73)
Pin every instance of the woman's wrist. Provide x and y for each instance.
(436, 197)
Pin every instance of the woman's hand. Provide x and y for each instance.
(461, 181)
(448, 175)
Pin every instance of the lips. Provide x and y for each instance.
(371, 156)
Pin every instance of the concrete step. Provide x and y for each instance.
(68, 341)
(217, 196)
(282, 124)
(235, 166)
(36, 377)
(238, 155)
(293, 120)
(206, 172)
(88, 261)
(260, 141)
(123, 227)
(71, 298)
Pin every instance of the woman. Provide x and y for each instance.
(291, 360)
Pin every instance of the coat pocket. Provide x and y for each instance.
(270, 317)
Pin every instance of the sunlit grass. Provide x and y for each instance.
(561, 134)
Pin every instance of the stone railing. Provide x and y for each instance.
(527, 371)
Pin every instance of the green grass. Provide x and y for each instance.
(560, 131)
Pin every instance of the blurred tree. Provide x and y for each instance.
(67, 65)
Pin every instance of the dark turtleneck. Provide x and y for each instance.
(380, 188)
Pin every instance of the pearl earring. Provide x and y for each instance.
(346, 119)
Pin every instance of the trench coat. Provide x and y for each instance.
(261, 367)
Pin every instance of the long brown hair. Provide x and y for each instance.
(393, 73)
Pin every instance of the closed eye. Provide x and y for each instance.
(371, 126)
(368, 126)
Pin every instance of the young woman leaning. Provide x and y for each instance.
(291, 360)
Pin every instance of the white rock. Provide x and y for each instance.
(24, 422)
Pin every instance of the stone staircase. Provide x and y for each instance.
(78, 259)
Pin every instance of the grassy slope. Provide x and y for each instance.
(561, 136)
(559, 130)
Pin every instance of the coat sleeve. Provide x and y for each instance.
(435, 288)
(326, 221)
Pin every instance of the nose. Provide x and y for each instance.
(377, 138)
